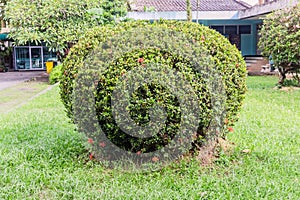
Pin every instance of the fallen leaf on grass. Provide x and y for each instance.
(246, 151)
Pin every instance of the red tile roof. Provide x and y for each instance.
(180, 5)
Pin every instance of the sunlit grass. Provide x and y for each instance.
(42, 157)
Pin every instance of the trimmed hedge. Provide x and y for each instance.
(227, 60)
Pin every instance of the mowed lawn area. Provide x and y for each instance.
(43, 157)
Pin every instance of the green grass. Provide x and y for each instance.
(42, 157)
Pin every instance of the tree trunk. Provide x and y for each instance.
(189, 10)
(197, 17)
(282, 75)
(2, 23)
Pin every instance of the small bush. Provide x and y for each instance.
(279, 37)
(227, 61)
(55, 74)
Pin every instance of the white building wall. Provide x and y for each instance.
(251, 2)
(181, 15)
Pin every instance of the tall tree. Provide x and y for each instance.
(189, 10)
(279, 37)
(59, 23)
(198, 6)
(2, 7)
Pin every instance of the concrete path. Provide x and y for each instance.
(10, 79)
(17, 88)
(20, 94)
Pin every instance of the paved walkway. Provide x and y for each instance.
(16, 89)
(10, 79)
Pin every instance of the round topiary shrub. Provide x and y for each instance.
(199, 46)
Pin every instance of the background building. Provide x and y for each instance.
(239, 21)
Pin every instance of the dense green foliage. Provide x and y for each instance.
(59, 23)
(2, 6)
(228, 62)
(279, 37)
(5, 54)
(55, 74)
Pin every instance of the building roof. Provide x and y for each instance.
(260, 11)
(180, 5)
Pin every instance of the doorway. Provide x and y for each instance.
(246, 44)
(29, 58)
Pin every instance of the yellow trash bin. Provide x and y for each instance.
(49, 66)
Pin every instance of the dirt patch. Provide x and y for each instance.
(287, 88)
(292, 75)
(226, 145)
(209, 153)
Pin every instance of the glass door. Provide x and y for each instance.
(22, 57)
(29, 58)
(36, 54)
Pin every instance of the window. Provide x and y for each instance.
(245, 29)
(231, 30)
(220, 29)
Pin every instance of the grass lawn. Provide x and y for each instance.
(42, 157)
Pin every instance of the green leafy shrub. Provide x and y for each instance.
(226, 58)
(279, 37)
(55, 74)
(59, 24)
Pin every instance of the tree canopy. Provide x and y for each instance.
(59, 23)
(2, 6)
(279, 37)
